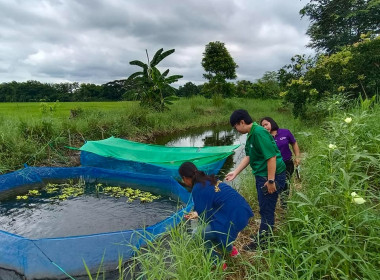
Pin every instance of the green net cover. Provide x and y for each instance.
(157, 154)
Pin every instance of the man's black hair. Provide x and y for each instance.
(273, 124)
(239, 115)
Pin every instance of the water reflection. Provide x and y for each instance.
(216, 136)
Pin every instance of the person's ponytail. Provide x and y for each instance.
(189, 170)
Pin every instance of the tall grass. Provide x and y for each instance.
(35, 137)
(176, 255)
(324, 234)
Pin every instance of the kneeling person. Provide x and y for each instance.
(225, 211)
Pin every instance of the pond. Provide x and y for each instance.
(215, 136)
(86, 209)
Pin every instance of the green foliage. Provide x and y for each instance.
(295, 88)
(219, 87)
(153, 87)
(187, 90)
(353, 71)
(325, 222)
(219, 65)
(267, 87)
(46, 108)
(337, 23)
(177, 255)
(34, 91)
(244, 88)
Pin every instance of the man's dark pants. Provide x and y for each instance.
(267, 203)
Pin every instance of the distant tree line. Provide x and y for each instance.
(35, 91)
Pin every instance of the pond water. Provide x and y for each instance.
(89, 213)
(215, 136)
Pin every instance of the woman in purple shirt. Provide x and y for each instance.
(283, 138)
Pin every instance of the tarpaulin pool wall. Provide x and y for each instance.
(56, 258)
(121, 154)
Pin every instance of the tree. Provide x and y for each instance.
(338, 23)
(293, 84)
(243, 88)
(268, 86)
(220, 66)
(153, 87)
(89, 92)
(188, 89)
(352, 72)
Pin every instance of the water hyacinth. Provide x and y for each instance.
(357, 199)
(348, 120)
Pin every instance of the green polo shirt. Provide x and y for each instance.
(260, 147)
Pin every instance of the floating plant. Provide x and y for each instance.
(71, 190)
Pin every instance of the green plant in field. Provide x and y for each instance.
(176, 255)
(153, 86)
(332, 227)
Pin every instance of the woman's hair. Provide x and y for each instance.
(273, 124)
(189, 170)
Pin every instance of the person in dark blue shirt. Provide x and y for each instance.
(224, 210)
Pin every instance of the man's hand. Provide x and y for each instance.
(271, 187)
(230, 176)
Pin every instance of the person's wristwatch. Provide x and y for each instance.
(271, 181)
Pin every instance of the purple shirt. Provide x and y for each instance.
(283, 138)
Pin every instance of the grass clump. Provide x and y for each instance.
(326, 233)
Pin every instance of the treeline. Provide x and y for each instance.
(35, 91)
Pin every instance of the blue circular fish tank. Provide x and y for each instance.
(63, 257)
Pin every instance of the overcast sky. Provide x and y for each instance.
(93, 41)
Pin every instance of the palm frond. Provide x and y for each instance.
(162, 56)
(138, 63)
(165, 73)
(173, 79)
(156, 57)
(136, 74)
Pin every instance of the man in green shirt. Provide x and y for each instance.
(264, 157)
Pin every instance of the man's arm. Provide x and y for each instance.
(243, 164)
(271, 167)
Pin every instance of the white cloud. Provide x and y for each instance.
(94, 40)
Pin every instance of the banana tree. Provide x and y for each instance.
(154, 87)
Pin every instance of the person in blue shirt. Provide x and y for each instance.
(224, 210)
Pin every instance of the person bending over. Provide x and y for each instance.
(224, 210)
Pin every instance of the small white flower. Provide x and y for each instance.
(348, 120)
(357, 199)
(332, 146)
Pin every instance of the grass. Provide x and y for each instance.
(27, 110)
(34, 137)
(323, 235)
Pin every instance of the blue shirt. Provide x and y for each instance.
(226, 211)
